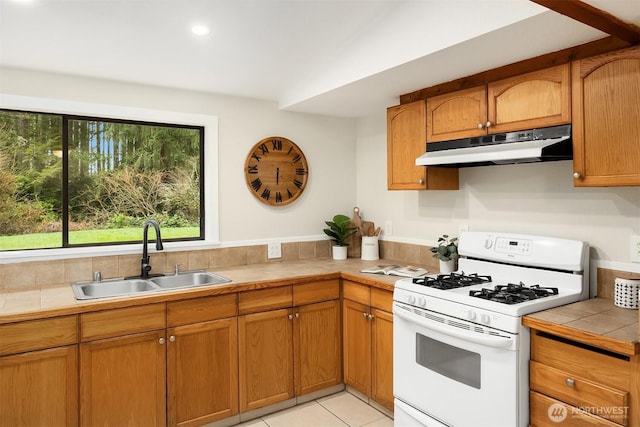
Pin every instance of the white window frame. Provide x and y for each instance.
(210, 124)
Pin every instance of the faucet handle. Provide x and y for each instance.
(177, 268)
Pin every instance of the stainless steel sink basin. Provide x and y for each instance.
(135, 286)
(112, 288)
(189, 279)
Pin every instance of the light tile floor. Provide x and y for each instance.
(338, 410)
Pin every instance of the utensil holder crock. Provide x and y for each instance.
(626, 293)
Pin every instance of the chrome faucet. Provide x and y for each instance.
(145, 267)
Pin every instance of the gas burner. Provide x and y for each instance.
(452, 281)
(513, 294)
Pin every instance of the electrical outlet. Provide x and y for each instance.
(388, 228)
(634, 247)
(274, 250)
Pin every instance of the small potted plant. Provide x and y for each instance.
(339, 231)
(447, 253)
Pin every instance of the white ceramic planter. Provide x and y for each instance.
(447, 267)
(340, 252)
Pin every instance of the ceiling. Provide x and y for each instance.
(349, 58)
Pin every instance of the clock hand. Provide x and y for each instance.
(277, 175)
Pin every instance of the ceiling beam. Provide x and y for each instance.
(586, 50)
(595, 18)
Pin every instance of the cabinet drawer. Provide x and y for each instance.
(356, 292)
(201, 309)
(121, 321)
(382, 299)
(543, 408)
(264, 300)
(602, 367)
(38, 334)
(308, 293)
(578, 391)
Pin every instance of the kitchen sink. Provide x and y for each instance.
(189, 279)
(112, 288)
(137, 286)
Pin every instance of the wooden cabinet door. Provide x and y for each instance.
(406, 141)
(202, 372)
(606, 119)
(317, 346)
(266, 358)
(123, 381)
(533, 100)
(40, 388)
(382, 358)
(460, 114)
(356, 332)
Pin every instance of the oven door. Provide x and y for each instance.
(455, 371)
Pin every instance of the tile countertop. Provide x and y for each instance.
(59, 300)
(597, 322)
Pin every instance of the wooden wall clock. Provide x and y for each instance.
(276, 171)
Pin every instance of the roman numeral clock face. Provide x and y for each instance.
(276, 171)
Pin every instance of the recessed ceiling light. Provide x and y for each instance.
(200, 30)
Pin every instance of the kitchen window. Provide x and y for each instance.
(70, 180)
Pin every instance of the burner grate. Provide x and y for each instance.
(514, 293)
(452, 281)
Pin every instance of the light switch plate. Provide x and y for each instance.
(274, 250)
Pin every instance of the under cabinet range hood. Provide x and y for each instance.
(535, 145)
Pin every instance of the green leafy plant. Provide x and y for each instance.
(447, 248)
(339, 230)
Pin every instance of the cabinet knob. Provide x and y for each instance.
(290, 316)
(421, 181)
(480, 126)
(489, 124)
(364, 315)
(370, 316)
(161, 340)
(297, 315)
(570, 382)
(576, 175)
(172, 338)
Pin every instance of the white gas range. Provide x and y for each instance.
(458, 339)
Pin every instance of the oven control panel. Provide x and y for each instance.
(512, 246)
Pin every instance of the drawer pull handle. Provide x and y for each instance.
(570, 382)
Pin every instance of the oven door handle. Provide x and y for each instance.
(475, 337)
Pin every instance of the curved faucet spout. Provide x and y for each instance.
(145, 267)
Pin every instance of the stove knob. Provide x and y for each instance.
(484, 318)
(471, 315)
(422, 301)
(411, 299)
(488, 243)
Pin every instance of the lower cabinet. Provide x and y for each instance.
(202, 360)
(123, 367)
(289, 344)
(573, 384)
(266, 358)
(39, 373)
(368, 341)
(122, 381)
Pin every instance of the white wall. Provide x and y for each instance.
(328, 144)
(526, 198)
(348, 168)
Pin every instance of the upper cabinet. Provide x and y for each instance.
(406, 141)
(606, 119)
(533, 100)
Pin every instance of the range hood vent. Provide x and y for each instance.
(535, 145)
